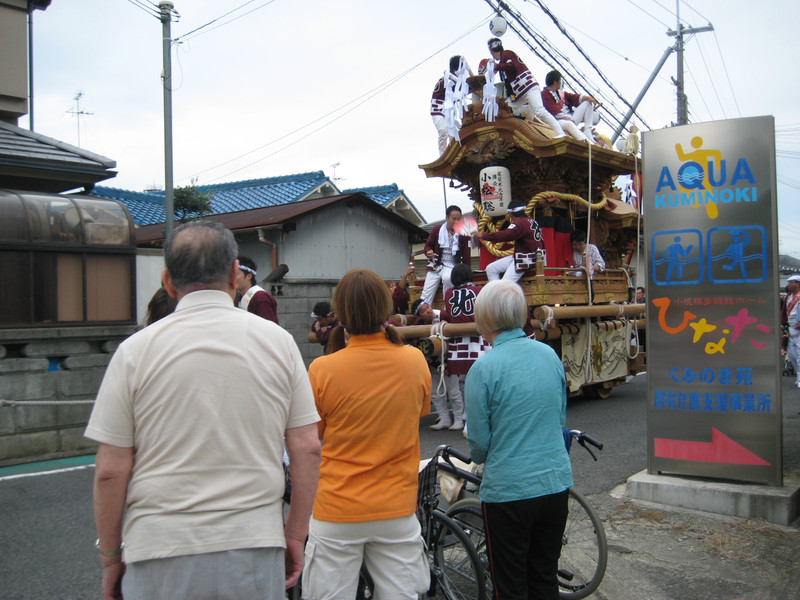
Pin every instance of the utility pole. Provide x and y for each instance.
(166, 8)
(680, 31)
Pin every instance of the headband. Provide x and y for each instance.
(247, 270)
(495, 44)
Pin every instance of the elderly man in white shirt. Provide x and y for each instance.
(191, 419)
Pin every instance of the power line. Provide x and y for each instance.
(366, 97)
(589, 60)
(727, 75)
(635, 5)
(702, 96)
(713, 87)
(148, 7)
(693, 9)
(197, 29)
(531, 36)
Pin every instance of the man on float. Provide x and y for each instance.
(527, 94)
(437, 105)
(559, 104)
(444, 248)
(527, 237)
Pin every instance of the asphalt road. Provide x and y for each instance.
(47, 529)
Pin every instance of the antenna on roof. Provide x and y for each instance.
(78, 112)
(335, 178)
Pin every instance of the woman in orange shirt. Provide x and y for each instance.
(370, 395)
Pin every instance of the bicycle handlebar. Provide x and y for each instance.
(450, 451)
(583, 439)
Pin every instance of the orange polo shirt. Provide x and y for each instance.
(370, 396)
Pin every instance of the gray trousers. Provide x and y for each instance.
(247, 574)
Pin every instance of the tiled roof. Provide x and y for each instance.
(32, 161)
(383, 194)
(147, 208)
(248, 219)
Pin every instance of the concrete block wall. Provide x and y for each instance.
(296, 298)
(60, 365)
(55, 367)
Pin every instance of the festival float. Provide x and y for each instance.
(503, 161)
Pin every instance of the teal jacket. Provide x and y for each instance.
(516, 400)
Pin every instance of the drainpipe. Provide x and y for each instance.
(273, 251)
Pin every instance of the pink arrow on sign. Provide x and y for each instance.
(721, 449)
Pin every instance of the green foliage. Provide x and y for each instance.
(191, 203)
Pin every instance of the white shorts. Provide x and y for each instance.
(392, 550)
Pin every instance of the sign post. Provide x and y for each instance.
(714, 395)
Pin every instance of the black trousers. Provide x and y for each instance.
(524, 542)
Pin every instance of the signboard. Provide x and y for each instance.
(713, 336)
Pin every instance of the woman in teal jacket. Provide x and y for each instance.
(516, 409)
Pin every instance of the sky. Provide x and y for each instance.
(265, 88)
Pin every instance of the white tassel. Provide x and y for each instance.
(490, 107)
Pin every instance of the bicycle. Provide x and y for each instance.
(457, 572)
(584, 550)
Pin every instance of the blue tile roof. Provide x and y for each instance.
(382, 194)
(147, 208)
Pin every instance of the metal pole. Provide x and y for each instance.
(682, 109)
(30, 70)
(646, 87)
(680, 31)
(169, 203)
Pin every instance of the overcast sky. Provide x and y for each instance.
(278, 87)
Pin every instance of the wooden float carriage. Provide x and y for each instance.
(592, 324)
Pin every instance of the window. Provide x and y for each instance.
(65, 260)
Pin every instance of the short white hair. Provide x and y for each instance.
(500, 306)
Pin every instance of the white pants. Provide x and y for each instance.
(503, 267)
(247, 573)
(572, 130)
(793, 350)
(392, 549)
(530, 105)
(432, 279)
(583, 114)
(441, 130)
(452, 392)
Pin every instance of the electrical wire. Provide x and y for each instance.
(571, 71)
(702, 96)
(713, 87)
(727, 75)
(693, 9)
(151, 10)
(360, 100)
(195, 31)
(636, 5)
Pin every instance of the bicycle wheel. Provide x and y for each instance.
(467, 513)
(584, 550)
(456, 571)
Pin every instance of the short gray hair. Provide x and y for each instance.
(200, 255)
(500, 306)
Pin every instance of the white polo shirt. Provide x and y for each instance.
(204, 396)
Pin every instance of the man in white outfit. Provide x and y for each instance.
(526, 96)
(571, 110)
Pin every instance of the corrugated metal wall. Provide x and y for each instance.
(328, 243)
